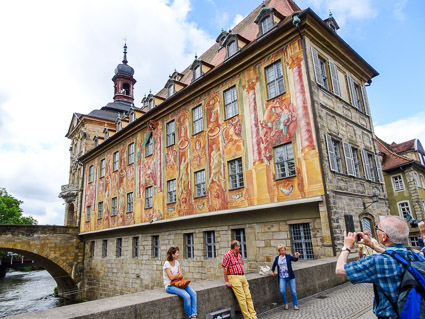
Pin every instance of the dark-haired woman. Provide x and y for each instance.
(172, 271)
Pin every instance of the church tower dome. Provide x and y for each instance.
(124, 81)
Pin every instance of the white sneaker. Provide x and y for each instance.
(296, 308)
(286, 307)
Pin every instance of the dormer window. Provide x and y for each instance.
(197, 72)
(96, 141)
(266, 24)
(106, 132)
(267, 19)
(119, 126)
(150, 104)
(232, 48)
(132, 116)
(170, 90)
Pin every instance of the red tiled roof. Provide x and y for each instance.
(403, 147)
(391, 159)
(247, 28)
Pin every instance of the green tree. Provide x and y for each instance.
(11, 212)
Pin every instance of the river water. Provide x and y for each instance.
(22, 292)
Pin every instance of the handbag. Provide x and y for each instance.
(265, 271)
(180, 283)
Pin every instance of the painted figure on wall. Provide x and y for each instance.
(232, 137)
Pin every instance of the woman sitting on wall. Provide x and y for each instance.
(173, 272)
(286, 274)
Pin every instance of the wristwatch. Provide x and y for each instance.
(346, 249)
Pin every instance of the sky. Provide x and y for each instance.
(58, 57)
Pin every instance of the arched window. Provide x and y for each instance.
(126, 89)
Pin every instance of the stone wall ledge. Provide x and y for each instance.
(311, 277)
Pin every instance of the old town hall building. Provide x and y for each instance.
(266, 138)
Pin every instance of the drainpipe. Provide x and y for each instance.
(296, 21)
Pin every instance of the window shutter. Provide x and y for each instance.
(365, 100)
(348, 158)
(331, 153)
(316, 64)
(379, 169)
(366, 167)
(351, 90)
(334, 77)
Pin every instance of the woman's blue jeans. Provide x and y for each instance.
(282, 286)
(189, 298)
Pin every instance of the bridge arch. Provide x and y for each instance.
(57, 249)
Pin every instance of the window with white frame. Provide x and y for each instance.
(200, 189)
(104, 248)
(171, 133)
(118, 248)
(397, 181)
(100, 210)
(130, 202)
(171, 191)
(284, 161)
(91, 173)
(236, 174)
(266, 24)
(230, 103)
(114, 206)
(274, 79)
(334, 154)
(197, 72)
(102, 168)
(116, 161)
(369, 166)
(356, 163)
(413, 241)
(404, 209)
(135, 247)
(155, 246)
(198, 124)
(358, 96)
(170, 90)
(148, 198)
(209, 240)
(416, 178)
(150, 104)
(239, 235)
(321, 73)
(149, 146)
(88, 213)
(189, 247)
(324, 73)
(131, 153)
(232, 48)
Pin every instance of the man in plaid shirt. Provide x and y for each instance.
(380, 269)
(234, 277)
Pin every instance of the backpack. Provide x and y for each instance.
(410, 302)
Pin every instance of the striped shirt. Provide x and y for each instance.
(233, 262)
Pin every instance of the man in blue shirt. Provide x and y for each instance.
(380, 269)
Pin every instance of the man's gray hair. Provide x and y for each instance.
(396, 229)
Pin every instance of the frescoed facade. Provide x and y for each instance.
(404, 173)
(254, 141)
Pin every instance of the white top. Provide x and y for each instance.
(174, 270)
(283, 267)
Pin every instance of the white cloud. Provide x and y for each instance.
(398, 10)
(238, 18)
(61, 58)
(342, 10)
(403, 130)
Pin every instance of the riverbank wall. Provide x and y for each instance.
(311, 277)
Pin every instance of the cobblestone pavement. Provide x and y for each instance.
(346, 301)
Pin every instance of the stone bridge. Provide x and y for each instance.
(57, 249)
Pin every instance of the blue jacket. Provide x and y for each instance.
(289, 259)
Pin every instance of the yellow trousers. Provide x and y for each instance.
(240, 288)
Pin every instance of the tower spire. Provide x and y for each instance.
(125, 52)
